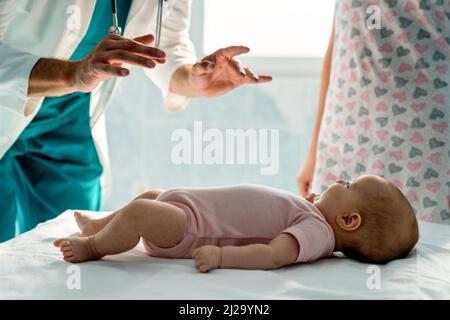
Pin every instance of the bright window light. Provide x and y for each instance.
(271, 28)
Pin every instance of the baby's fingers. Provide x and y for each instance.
(203, 268)
(199, 260)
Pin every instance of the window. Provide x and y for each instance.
(285, 36)
(272, 28)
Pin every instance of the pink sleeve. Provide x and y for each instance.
(315, 238)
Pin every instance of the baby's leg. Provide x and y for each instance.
(90, 226)
(150, 195)
(160, 223)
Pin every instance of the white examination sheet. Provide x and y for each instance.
(31, 268)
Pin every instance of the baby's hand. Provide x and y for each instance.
(207, 258)
(311, 197)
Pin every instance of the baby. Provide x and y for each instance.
(255, 227)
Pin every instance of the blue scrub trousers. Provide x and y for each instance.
(49, 170)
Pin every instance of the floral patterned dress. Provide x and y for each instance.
(388, 104)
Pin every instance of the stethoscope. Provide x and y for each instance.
(115, 29)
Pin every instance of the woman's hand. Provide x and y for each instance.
(207, 258)
(305, 175)
(311, 197)
(106, 59)
(221, 72)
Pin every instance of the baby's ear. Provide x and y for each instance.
(349, 221)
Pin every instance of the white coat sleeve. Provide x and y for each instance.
(15, 67)
(179, 49)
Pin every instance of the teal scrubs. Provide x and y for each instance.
(53, 165)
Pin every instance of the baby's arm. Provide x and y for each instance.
(281, 251)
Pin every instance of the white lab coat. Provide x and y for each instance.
(31, 29)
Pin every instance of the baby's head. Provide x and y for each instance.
(372, 220)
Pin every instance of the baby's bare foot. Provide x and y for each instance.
(75, 249)
(87, 225)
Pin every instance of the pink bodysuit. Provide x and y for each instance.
(246, 214)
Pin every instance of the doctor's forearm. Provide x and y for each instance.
(51, 78)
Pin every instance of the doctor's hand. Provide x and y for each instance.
(106, 59)
(221, 72)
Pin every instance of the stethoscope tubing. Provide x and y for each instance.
(159, 23)
(115, 29)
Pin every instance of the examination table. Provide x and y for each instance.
(31, 268)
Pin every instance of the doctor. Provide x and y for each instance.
(58, 69)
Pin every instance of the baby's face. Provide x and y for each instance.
(344, 196)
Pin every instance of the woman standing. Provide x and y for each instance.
(385, 102)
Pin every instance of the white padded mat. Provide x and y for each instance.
(31, 268)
